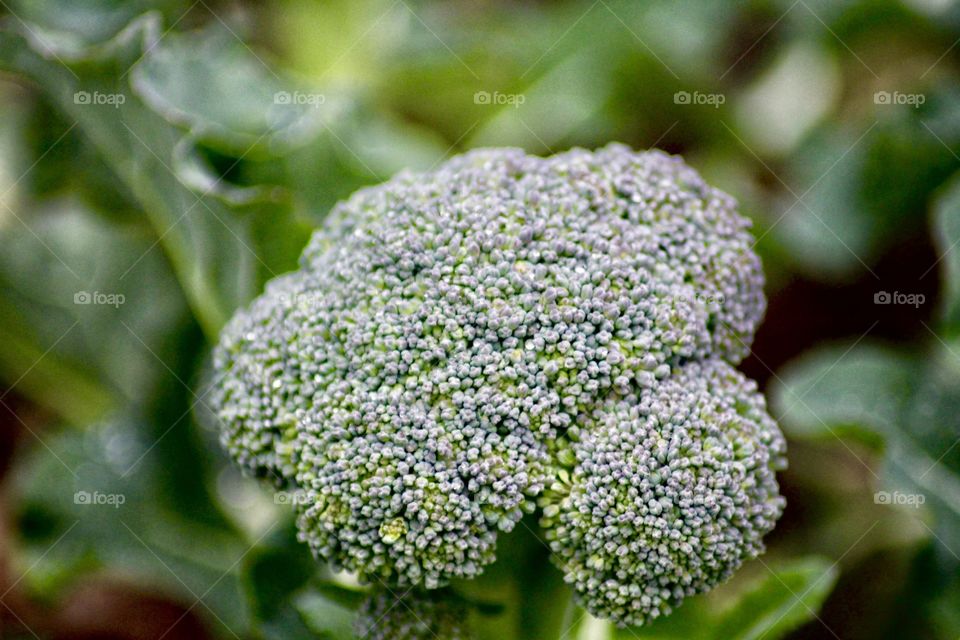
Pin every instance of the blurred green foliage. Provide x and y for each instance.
(905, 404)
(176, 155)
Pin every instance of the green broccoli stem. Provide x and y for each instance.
(527, 593)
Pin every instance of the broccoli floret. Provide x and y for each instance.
(459, 344)
(670, 490)
(411, 615)
(259, 386)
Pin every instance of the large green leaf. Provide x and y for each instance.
(81, 510)
(906, 403)
(211, 83)
(829, 232)
(81, 331)
(217, 256)
(833, 389)
(908, 407)
(321, 142)
(68, 30)
(274, 575)
(947, 237)
(65, 164)
(787, 595)
(327, 619)
(864, 185)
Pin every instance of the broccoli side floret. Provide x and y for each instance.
(410, 615)
(670, 490)
(460, 343)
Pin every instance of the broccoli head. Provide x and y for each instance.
(507, 330)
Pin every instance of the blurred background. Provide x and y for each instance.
(160, 160)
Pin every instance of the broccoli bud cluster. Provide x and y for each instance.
(669, 491)
(507, 329)
(410, 615)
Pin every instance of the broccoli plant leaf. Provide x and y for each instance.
(79, 332)
(833, 389)
(211, 83)
(906, 406)
(346, 597)
(828, 231)
(905, 403)
(274, 574)
(327, 619)
(947, 237)
(321, 143)
(785, 596)
(866, 185)
(78, 488)
(67, 29)
(216, 255)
